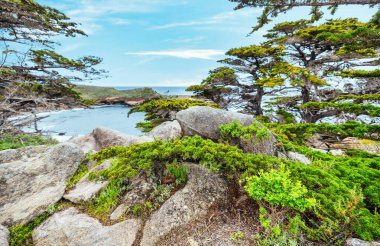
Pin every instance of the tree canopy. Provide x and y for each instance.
(31, 71)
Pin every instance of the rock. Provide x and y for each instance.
(337, 152)
(205, 121)
(86, 189)
(101, 138)
(69, 227)
(358, 242)
(299, 157)
(315, 141)
(4, 236)
(320, 150)
(192, 202)
(140, 189)
(86, 143)
(34, 180)
(168, 130)
(358, 144)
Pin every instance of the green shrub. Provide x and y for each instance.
(341, 186)
(178, 171)
(276, 188)
(246, 133)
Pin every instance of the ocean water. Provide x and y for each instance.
(163, 90)
(65, 124)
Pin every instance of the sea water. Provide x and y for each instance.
(65, 124)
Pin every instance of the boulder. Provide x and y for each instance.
(298, 157)
(169, 130)
(316, 141)
(202, 190)
(358, 242)
(70, 227)
(86, 189)
(139, 190)
(205, 121)
(101, 138)
(337, 152)
(4, 236)
(358, 144)
(33, 178)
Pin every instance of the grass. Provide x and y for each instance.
(17, 141)
(99, 92)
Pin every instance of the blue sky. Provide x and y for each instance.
(165, 42)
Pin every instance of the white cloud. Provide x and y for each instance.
(216, 19)
(89, 12)
(96, 8)
(206, 54)
(187, 40)
(119, 21)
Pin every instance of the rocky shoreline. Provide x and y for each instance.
(38, 181)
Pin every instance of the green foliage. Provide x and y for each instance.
(158, 111)
(137, 210)
(149, 125)
(360, 73)
(236, 237)
(19, 234)
(153, 107)
(366, 109)
(288, 117)
(298, 133)
(342, 186)
(358, 98)
(276, 188)
(100, 92)
(178, 171)
(246, 133)
(80, 173)
(276, 232)
(8, 141)
(108, 198)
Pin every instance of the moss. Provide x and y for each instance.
(9, 141)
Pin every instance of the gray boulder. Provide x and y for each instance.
(169, 130)
(298, 157)
(358, 242)
(86, 189)
(33, 178)
(4, 236)
(205, 121)
(101, 138)
(139, 190)
(69, 227)
(192, 202)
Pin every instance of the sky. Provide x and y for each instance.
(165, 42)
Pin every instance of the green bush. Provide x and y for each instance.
(246, 133)
(341, 186)
(276, 188)
(178, 171)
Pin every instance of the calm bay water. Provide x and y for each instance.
(163, 90)
(65, 124)
(76, 122)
